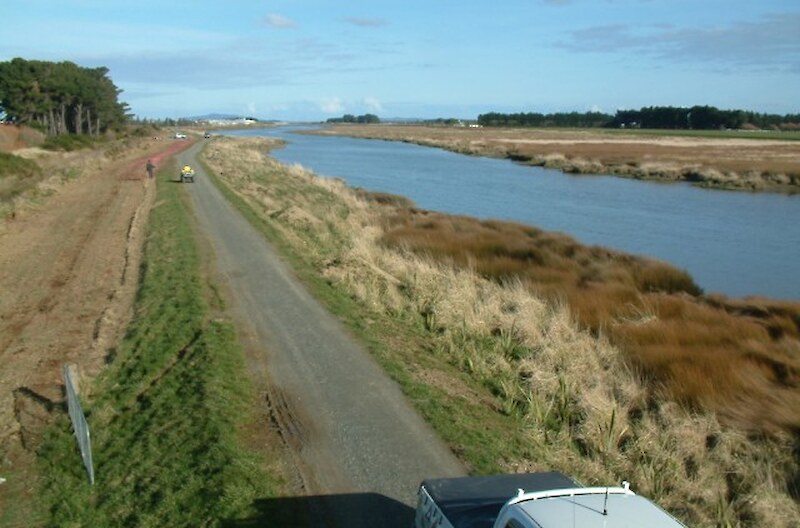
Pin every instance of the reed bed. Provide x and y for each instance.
(610, 366)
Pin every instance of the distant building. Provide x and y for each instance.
(234, 121)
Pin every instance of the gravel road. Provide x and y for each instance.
(355, 438)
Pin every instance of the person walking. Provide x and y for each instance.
(150, 168)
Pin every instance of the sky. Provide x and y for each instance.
(308, 60)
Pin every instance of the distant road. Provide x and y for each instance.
(356, 439)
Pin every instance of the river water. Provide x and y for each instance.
(734, 243)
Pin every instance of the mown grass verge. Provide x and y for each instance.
(507, 377)
(167, 414)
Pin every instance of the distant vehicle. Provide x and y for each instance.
(180, 135)
(533, 500)
(187, 174)
(207, 135)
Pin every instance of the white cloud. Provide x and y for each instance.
(372, 104)
(331, 105)
(279, 21)
(366, 22)
(767, 43)
(251, 108)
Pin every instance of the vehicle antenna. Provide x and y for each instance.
(605, 503)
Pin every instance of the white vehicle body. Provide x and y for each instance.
(472, 502)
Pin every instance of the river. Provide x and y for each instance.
(735, 243)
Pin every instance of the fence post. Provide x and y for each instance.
(79, 424)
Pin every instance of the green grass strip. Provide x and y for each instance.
(165, 414)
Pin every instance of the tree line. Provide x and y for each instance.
(534, 119)
(350, 118)
(60, 97)
(659, 117)
(701, 117)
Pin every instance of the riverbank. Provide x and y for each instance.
(714, 159)
(510, 373)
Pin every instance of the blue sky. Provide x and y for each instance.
(314, 59)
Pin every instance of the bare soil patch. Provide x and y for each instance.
(14, 137)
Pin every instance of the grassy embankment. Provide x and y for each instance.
(26, 182)
(578, 372)
(17, 175)
(27, 177)
(167, 415)
(732, 160)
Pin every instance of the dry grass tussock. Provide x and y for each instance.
(738, 358)
(539, 323)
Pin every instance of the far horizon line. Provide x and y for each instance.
(231, 116)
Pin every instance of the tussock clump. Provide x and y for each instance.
(536, 325)
(706, 355)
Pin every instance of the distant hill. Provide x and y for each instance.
(217, 117)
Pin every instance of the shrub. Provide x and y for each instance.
(16, 175)
(656, 276)
(11, 165)
(68, 142)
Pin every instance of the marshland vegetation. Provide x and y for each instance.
(528, 351)
(735, 160)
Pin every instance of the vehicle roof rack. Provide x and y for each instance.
(571, 492)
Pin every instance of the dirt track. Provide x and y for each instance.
(68, 276)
